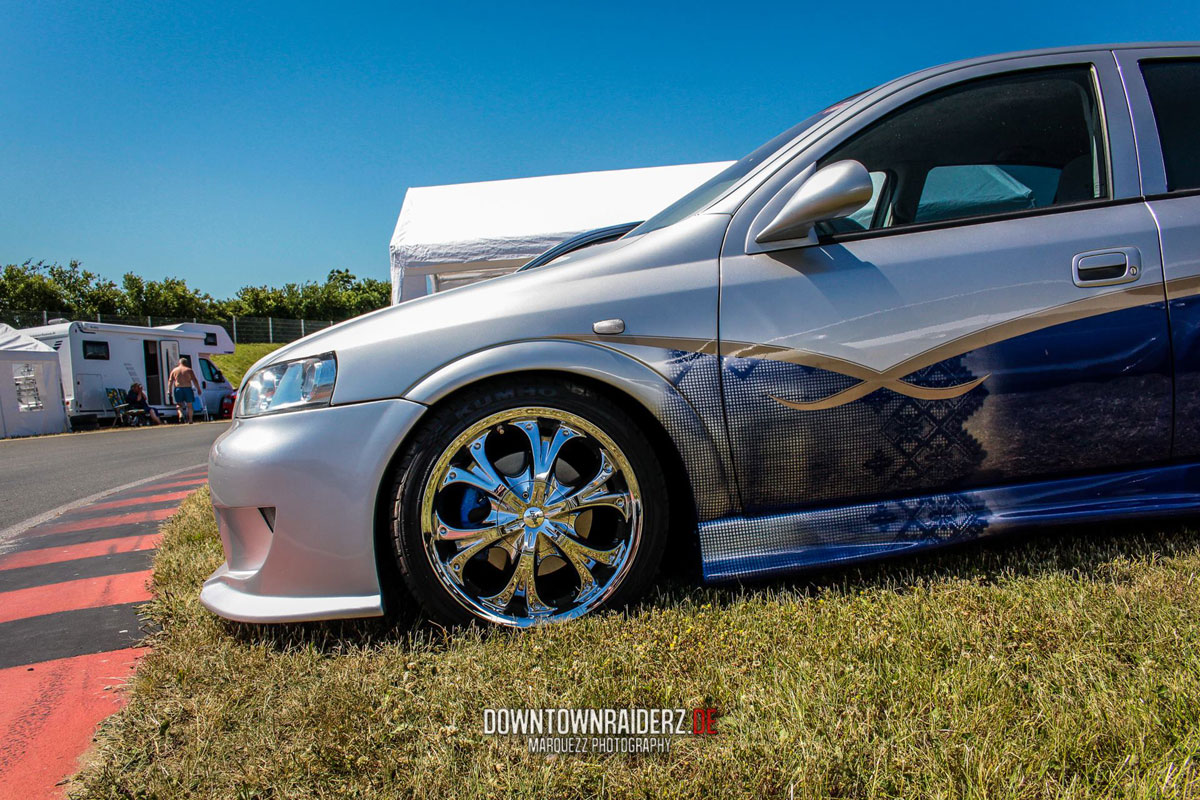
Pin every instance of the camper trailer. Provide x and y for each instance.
(96, 357)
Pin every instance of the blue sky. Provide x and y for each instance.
(236, 143)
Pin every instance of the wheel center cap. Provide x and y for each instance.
(533, 517)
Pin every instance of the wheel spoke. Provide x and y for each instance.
(598, 498)
(482, 475)
(522, 583)
(472, 547)
(544, 455)
(582, 557)
(567, 497)
(521, 486)
(495, 521)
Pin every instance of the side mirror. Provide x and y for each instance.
(836, 190)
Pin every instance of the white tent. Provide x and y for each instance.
(450, 235)
(31, 395)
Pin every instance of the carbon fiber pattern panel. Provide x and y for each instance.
(693, 419)
(885, 443)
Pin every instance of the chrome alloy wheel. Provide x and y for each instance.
(531, 515)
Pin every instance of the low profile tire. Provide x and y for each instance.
(527, 502)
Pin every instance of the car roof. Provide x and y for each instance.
(1049, 51)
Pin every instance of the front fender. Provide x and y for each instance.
(695, 439)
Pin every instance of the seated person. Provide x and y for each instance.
(136, 398)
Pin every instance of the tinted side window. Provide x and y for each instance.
(1008, 143)
(95, 350)
(1174, 88)
(966, 190)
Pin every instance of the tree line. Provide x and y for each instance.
(77, 292)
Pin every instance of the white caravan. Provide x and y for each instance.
(96, 357)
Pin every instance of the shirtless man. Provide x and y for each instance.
(179, 384)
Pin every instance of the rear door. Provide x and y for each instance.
(1164, 94)
(996, 314)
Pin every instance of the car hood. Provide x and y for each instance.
(383, 353)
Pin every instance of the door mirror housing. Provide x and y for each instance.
(834, 191)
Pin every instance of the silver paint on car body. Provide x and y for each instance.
(320, 469)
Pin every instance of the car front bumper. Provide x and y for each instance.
(295, 498)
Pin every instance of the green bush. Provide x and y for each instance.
(79, 293)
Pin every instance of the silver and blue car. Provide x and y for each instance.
(961, 302)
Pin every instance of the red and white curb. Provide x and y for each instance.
(70, 635)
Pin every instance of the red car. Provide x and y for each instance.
(227, 404)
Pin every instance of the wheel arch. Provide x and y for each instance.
(633, 386)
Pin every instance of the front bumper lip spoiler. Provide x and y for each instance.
(222, 595)
(321, 471)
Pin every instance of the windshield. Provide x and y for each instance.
(720, 183)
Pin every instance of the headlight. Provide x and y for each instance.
(289, 386)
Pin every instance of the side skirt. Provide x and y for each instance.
(749, 547)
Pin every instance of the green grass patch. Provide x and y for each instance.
(235, 364)
(1057, 665)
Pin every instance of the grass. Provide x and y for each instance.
(1064, 664)
(235, 364)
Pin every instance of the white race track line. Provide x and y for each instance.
(16, 530)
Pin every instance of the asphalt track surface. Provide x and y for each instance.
(70, 634)
(45, 472)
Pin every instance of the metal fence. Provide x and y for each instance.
(243, 330)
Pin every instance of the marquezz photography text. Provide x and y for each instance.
(599, 730)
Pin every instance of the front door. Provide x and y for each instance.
(992, 316)
(155, 380)
(213, 384)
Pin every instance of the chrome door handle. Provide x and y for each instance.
(1106, 267)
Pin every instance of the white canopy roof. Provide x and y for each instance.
(13, 339)
(499, 225)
